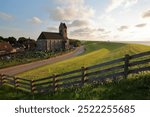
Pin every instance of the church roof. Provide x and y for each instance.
(50, 35)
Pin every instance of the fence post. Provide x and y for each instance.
(83, 70)
(15, 83)
(54, 83)
(126, 66)
(1, 79)
(32, 86)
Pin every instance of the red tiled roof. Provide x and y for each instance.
(5, 46)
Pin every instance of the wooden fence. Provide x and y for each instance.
(108, 71)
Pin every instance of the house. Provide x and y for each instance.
(50, 41)
(5, 48)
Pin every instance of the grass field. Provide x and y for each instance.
(96, 52)
(96, 45)
(135, 87)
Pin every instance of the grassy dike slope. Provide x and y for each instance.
(96, 52)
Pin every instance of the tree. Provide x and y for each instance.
(75, 43)
(28, 43)
(1, 39)
(12, 40)
(21, 40)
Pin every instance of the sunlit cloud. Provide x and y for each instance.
(36, 20)
(101, 29)
(72, 11)
(79, 23)
(114, 4)
(122, 28)
(141, 25)
(146, 14)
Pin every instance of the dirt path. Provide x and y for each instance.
(25, 67)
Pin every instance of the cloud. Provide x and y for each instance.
(107, 32)
(140, 25)
(90, 33)
(35, 20)
(5, 16)
(122, 28)
(146, 14)
(79, 23)
(52, 28)
(70, 10)
(114, 4)
(117, 3)
(129, 3)
(101, 29)
(83, 33)
(71, 13)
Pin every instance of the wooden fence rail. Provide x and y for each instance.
(111, 70)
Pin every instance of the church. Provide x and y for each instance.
(50, 41)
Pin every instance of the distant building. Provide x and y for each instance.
(50, 41)
(5, 47)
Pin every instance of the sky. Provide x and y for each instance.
(102, 20)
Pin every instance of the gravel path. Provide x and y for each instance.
(25, 67)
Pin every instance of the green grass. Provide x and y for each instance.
(96, 52)
(96, 45)
(135, 87)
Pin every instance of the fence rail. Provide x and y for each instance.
(111, 70)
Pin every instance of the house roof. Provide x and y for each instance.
(5, 46)
(50, 35)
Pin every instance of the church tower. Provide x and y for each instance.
(63, 30)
